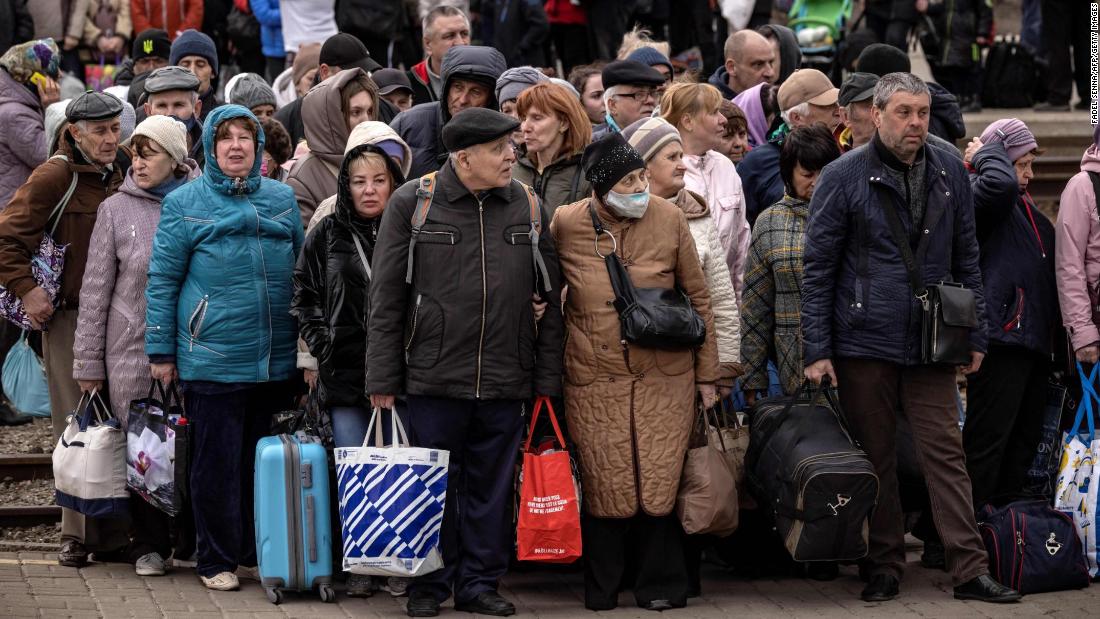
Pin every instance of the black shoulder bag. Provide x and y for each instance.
(950, 310)
(651, 317)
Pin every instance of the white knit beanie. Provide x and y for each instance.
(168, 132)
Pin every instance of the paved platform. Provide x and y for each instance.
(33, 585)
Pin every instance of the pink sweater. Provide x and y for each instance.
(713, 176)
(1077, 252)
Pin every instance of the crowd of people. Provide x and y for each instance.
(434, 241)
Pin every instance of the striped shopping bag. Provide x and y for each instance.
(391, 503)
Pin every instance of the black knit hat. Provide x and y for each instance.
(606, 161)
(881, 59)
(151, 42)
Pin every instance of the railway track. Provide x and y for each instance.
(22, 467)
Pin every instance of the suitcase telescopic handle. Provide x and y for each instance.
(311, 529)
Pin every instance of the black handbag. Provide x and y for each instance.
(651, 317)
(949, 310)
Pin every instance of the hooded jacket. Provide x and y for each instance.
(371, 132)
(422, 126)
(221, 273)
(560, 183)
(790, 54)
(330, 291)
(856, 297)
(1017, 255)
(464, 328)
(1077, 241)
(25, 219)
(720, 79)
(947, 119)
(110, 329)
(23, 143)
(313, 177)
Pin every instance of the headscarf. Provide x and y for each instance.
(755, 117)
(24, 60)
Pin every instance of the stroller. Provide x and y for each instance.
(820, 25)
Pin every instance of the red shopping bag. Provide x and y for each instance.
(549, 527)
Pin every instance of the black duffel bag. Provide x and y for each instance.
(805, 468)
(1033, 547)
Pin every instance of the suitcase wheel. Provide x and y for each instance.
(328, 596)
(273, 595)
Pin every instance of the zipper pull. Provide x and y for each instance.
(133, 231)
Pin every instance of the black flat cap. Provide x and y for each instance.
(389, 80)
(857, 87)
(93, 105)
(171, 78)
(476, 125)
(631, 73)
(347, 52)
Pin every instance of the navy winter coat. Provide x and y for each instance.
(856, 297)
(1017, 255)
(760, 180)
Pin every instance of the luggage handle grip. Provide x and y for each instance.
(311, 529)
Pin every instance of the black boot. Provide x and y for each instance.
(934, 556)
(883, 587)
(10, 417)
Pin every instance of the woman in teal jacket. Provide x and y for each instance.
(218, 318)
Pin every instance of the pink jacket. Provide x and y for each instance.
(1077, 253)
(713, 176)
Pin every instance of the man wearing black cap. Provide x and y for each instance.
(394, 86)
(630, 94)
(340, 51)
(174, 91)
(475, 356)
(150, 51)
(86, 155)
(855, 110)
(470, 74)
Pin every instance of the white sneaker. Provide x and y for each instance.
(225, 581)
(151, 564)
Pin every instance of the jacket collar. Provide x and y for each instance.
(454, 191)
(692, 204)
(890, 160)
(935, 179)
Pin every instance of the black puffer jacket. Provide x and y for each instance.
(330, 291)
(464, 328)
(422, 126)
(959, 23)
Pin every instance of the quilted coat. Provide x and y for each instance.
(110, 329)
(856, 297)
(629, 408)
(220, 276)
(1077, 235)
(23, 147)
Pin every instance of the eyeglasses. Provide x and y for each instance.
(640, 95)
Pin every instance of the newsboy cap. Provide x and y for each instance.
(476, 125)
(93, 105)
(174, 77)
(630, 72)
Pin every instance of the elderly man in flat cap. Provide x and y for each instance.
(630, 94)
(174, 91)
(455, 250)
(86, 156)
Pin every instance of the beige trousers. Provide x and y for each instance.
(57, 350)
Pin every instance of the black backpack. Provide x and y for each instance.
(1010, 75)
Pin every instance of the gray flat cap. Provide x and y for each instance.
(93, 105)
(171, 78)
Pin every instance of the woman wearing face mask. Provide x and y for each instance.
(555, 132)
(695, 111)
(331, 281)
(110, 328)
(630, 408)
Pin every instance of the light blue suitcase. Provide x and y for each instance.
(293, 519)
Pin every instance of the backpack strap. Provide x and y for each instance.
(59, 209)
(536, 230)
(1095, 178)
(424, 194)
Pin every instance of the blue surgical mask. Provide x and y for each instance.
(628, 205)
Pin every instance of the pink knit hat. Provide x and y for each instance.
(1017, 138)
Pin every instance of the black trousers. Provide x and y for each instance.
(571, 45)
(1066, 25)
(482, 437)
(226, 423)
(651, 544)
(606, 26)
(1004, 416)
(690, 24)
(890, 31)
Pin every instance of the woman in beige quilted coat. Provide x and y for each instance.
(629, 408)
